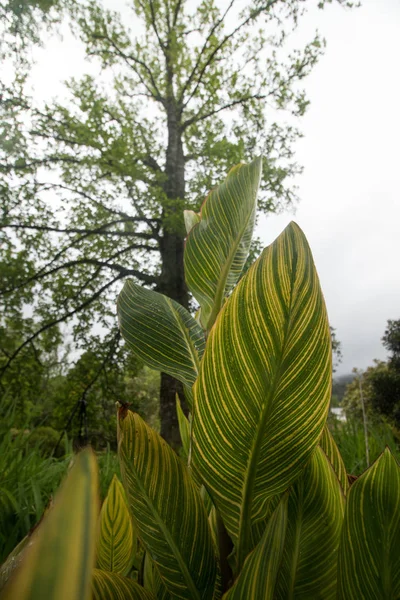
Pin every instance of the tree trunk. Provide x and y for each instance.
(172, 280)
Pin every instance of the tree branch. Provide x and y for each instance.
(154, 25)
(253, 15)
(45, 271)
(129, 57)
(87, 232)
(197, 64)
(55, 322)
(200, 117)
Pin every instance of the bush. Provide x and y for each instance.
(45, 440)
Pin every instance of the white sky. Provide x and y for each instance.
(350, 188)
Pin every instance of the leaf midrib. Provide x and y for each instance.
(248, 488)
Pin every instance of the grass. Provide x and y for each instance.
(350, 438)
(27, 482)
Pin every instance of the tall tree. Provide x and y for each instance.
(93, 186)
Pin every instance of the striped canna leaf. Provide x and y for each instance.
(263, 391)
(160, 332)
(168, 512)
(184, 428)
(258, 577)
(369, 553)
(112, 586)
(331, 450)
(59, 560)
(152, 580)
(116, 545)
(218, 244)
(315, 516)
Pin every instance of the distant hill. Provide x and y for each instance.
(340, 383)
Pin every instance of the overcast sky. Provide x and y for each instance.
(350, 190)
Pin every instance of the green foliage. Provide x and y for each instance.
(260, 505)
(27, 482)
(29, 479)
(45, 439)
(380, 384)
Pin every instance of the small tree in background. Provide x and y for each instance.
(380, 383)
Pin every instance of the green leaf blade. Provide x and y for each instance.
(59, 560)
(184, 428)
(315, 516)
(217, 246)
(116, 544)
(160, 332)
(263, 391)
(369, 557)
(168, 512)
(331, 450)
(260, 571)
(112, 586)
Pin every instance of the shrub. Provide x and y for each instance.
(263, 507)
(45, 439)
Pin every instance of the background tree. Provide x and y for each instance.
(381, 383)
(385, 398)
(391, 341)
(93, 186)
(351, 402)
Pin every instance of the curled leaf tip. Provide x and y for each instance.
(123, 409)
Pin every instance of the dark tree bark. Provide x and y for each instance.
(172, 279)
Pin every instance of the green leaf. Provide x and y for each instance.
(152, 580)
(264, 386)
(168, 512)
(315, 515)
(58, 564)
(160, 332)
(369, 556)
(112, 586)
(184, 427)
(217, 247)
(258, 577)
(13, 560)
(116, 545)
(331, 450)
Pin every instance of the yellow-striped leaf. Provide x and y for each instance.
(369, 553)
(184, 427)
(315, 515)
(152, 581)
(161, 332)
(257, 579)
(13, 560)
(331, 450)
(116, 545)
(264, 386)
(217, 246)
(58, 564)
(168, 512)
(112, 586)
